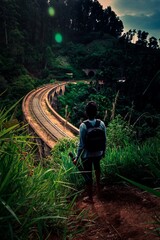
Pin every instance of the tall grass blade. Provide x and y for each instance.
(10, 210)
(5, 131)
(141, 186)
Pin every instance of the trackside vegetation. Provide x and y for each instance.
(37, 201)
(33, 198)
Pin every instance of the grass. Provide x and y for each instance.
(133, 161)
(33, 199)
(30, 197)
(38, 201)
(137, 161)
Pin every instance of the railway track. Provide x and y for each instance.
(36, 115)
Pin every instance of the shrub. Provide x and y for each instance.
(119, 133)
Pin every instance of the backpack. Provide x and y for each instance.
(95, 137)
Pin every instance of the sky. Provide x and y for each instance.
(137, 14)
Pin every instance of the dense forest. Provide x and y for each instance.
(43, 42)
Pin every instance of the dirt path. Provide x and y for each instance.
(123, 213)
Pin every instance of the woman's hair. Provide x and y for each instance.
(91, 109)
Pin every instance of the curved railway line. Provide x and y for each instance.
(44, 121)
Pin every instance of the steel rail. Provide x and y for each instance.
(53, 131)
(35, 109)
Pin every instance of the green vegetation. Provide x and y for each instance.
(133, 143)
(33, 199)
(37, 200)
(91, 38)
(111, 102)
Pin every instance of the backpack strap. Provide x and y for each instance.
(97, 123)
(89, 125)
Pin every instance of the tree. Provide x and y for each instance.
(142, 38)
(21, 86)
(8, 19)
(128, 36)
(95, 17)
(153, 43)
(111, 23)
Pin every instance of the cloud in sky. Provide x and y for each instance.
(137, 14)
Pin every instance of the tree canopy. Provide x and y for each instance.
(43, 40)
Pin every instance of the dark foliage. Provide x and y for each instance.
(30, 55)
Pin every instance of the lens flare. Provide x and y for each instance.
(51, 11)
(58, 37)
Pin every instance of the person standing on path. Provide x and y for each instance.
(91, 155)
